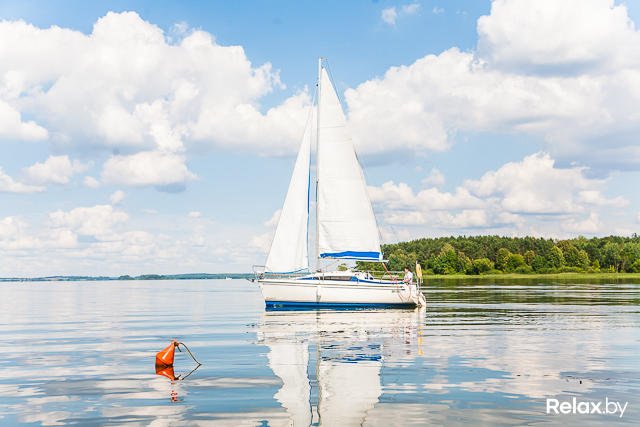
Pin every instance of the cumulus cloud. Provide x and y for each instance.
(82, 238)
(9, 185)
(96, 221)
(127, 87)
(15, 235)
(12, 126)
(568, 37)
(54, 170)
(524, 196)
(194, 214)
(589, 225)
(535, 186)
(166, 170)
(576, 94)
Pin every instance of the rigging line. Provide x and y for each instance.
(332, 80)
(190, 354)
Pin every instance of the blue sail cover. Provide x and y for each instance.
(372, 256)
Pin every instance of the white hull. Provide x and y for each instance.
(318, 293)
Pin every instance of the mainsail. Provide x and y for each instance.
(346, 224)
(289, 250)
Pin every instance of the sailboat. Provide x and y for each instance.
(345, 228)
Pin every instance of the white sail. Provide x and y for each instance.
(289, 251)
(346, 225)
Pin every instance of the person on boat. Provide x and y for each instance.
(408, 276)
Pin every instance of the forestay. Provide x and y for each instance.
(346, 224)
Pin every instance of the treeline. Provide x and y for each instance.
(496, 254)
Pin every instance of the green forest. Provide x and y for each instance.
(476, 255)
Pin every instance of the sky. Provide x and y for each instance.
(159, 137)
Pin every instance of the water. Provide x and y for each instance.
(83, 353)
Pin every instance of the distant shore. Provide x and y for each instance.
(187, 276)
(533, 276)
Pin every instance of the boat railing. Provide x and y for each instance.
(394, 276)
(386, 275)
(259, 272)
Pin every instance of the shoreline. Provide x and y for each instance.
(521, 276)
(425, 277)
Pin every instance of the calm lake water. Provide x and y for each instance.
(483, 353)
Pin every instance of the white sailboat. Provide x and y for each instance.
(346, 227)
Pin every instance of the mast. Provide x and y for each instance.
(317, 162)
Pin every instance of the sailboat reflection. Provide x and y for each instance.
(330, 361)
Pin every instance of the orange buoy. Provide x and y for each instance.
(165, 356)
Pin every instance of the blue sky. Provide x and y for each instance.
(138, 139)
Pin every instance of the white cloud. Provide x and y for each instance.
(12, 126)
(469, 218)
(10, 227)
(103, 239)
(273, 221)
(9, 185)
(261, 242)
(576, 94)
(195, 214)
(15, 236)
(581, 104)
(97, 221)
(54, 170)
(437, 10)
(117, 197)
(85, 89)
(590, 225)
(147, 168)
(389, 15)
(535, 186)
(595, 197)
(548, 36)
(527, 197)
(435, 178)
(411, 8)
(91, 182)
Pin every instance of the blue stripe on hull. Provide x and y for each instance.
(298, 305)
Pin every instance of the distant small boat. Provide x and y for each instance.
(346, 227)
